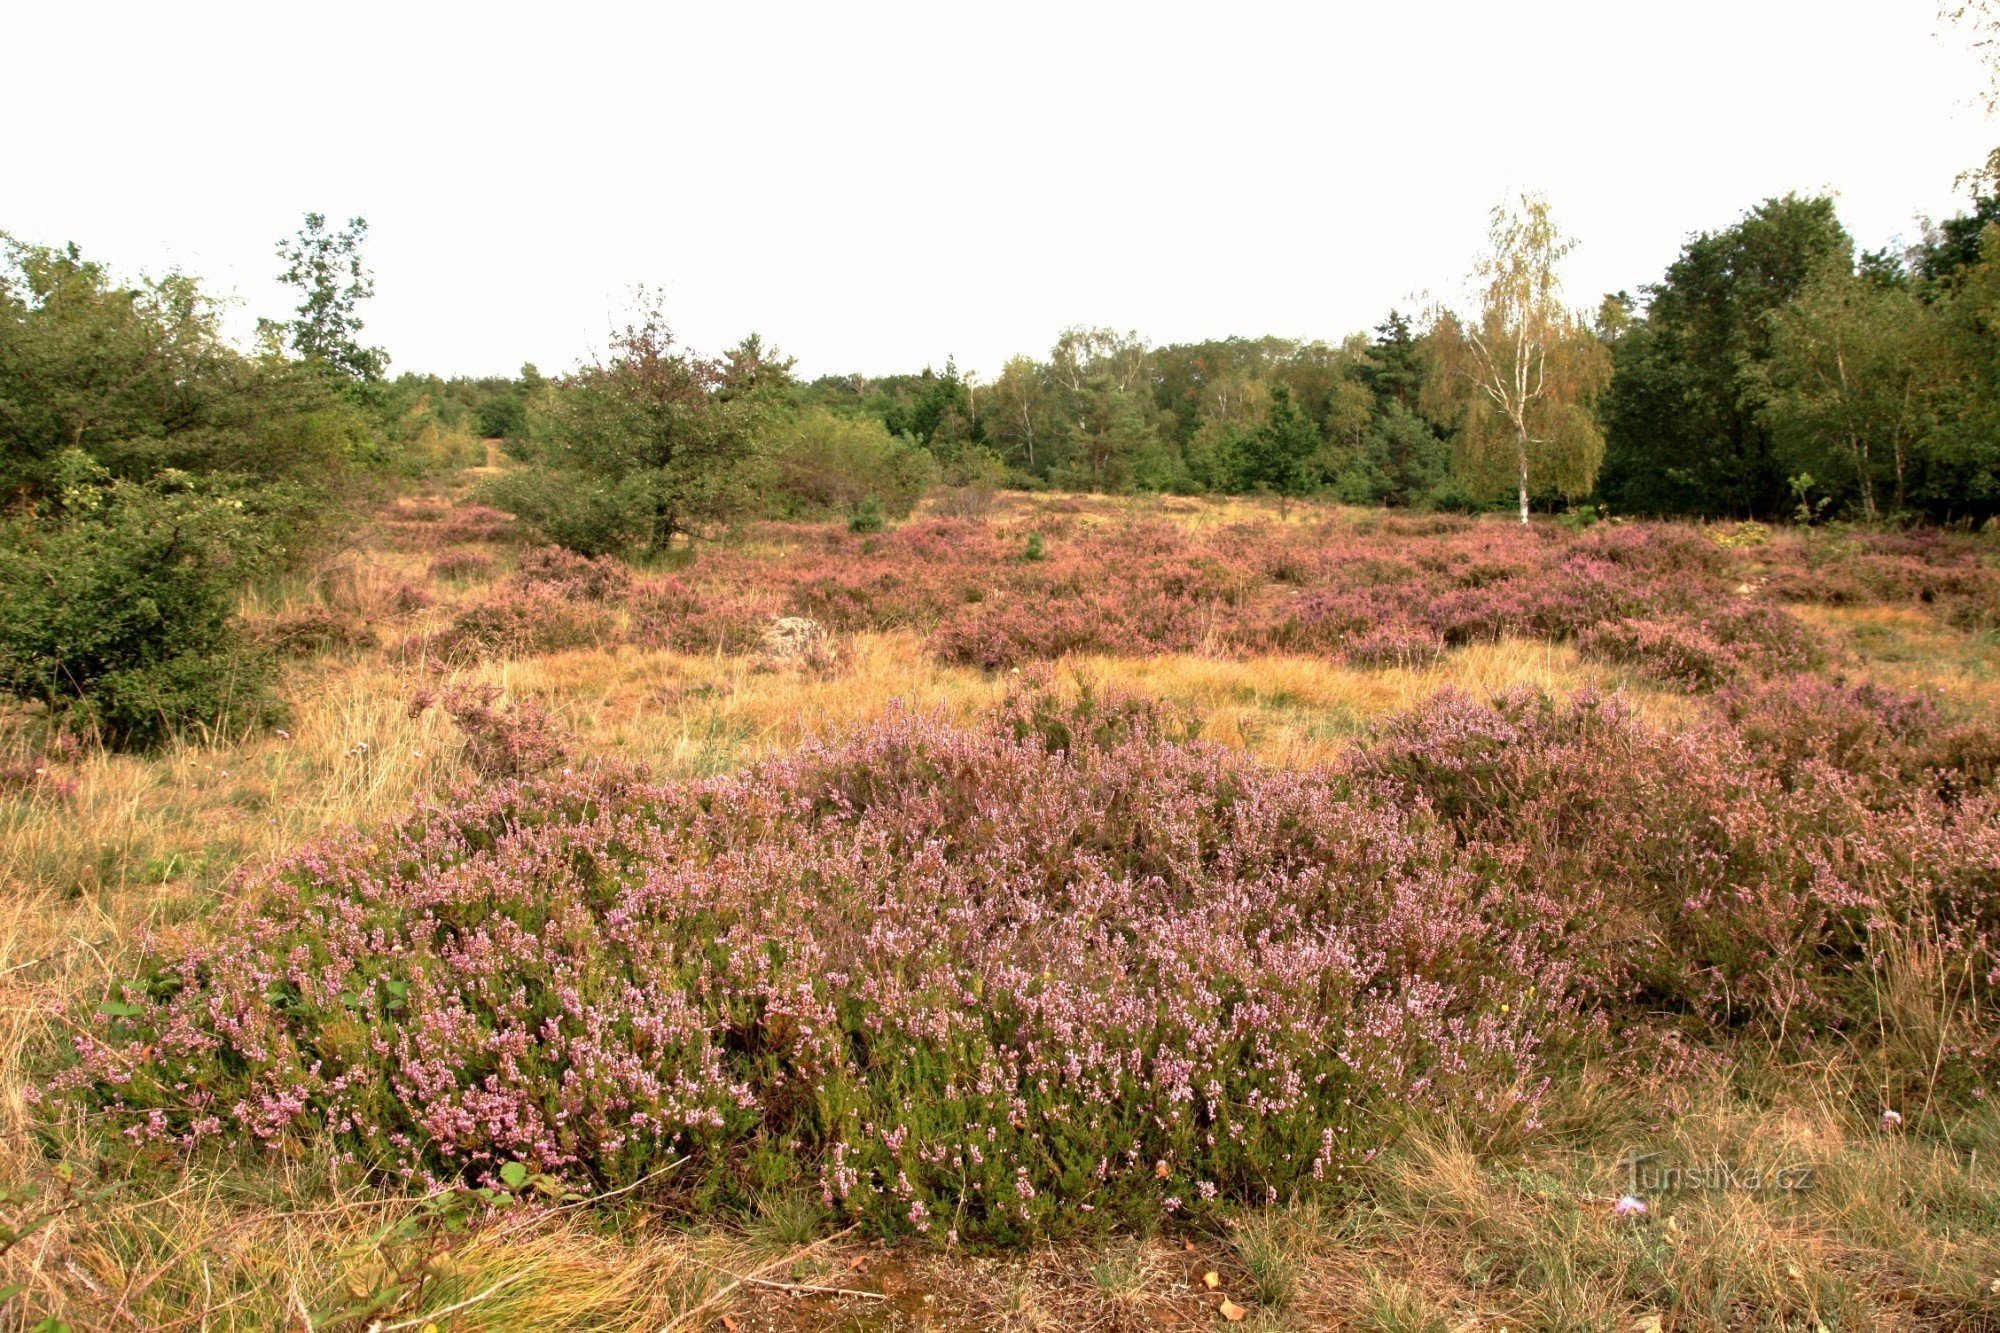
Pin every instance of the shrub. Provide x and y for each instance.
(314, 630)
(521, 625)
(1676, 654)
(516, 741)
(1201, 979)
(461, 566)
(118, 613)
(583, 513)
(568, 574)
(824, 464)
(867, 516)
(670, 613)
(1182, 990)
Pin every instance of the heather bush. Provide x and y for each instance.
(313, 630)
(1392, 646)
(514, 741)
(1674, 654)
(522, 624)
(1720, 888)
(671, 613)
(1184, 987)
(461, 567)
(1883, 740)
(1069, 969)
(592, 579)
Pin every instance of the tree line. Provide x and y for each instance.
(148, 466)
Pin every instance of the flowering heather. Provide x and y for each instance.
(516, 624)
(500, 742)
(1394, 592)
(430, 527)
(1067, 968)
(461, 566)
(570, 575)
(1674, 654)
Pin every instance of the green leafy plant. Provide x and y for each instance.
(117, 612)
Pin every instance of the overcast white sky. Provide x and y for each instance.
(876, 186)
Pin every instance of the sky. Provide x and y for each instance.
(876, 187)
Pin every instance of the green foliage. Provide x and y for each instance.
(326, 269)
(867, 516)
(576, 510)
(116, 609)
(140, 378)
(937, 408)
(1685, 430)
(637, 450)
(824, 464)
(1520, 379)
(1278, 456)
(1855, 365)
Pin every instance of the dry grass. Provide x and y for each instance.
(1899, 1231)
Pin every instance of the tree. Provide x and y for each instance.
(639, 449)
(1278, 455)
(327, 270)
(752, 366)
(1395, 371)
(1520, 378)
(1854, 370)
(1684, 426)
(139, 377)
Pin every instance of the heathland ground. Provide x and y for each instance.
(1317, 918)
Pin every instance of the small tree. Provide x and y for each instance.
(638, 449)
(1520, 378)
(326, 268)
(1278, 455)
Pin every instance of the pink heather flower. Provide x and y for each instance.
(1629, 1206)
(1892, 1120)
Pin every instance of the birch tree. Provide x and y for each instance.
(1520, 377)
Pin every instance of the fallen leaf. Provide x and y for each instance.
(729, 1323)
(1233, 1312)
(855, 1264)
(1188, 1245)
(1211, 1280)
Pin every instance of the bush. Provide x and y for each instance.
(824, 464)
(1189, 987)
(511, 742)
(1203, 979)
(867, 516)
(574, 510)
(567, 574)
(1671, 653)
(521, 625)
(312, 631)
(118, 613)
(461, 566)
